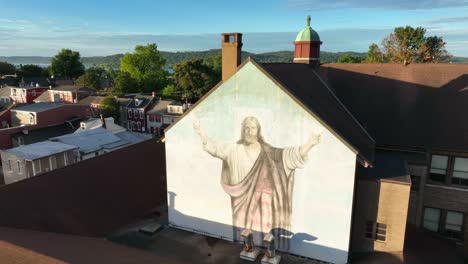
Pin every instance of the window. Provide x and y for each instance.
(139, 125)
(129, 126)
(141, 114)
(31, 119)
(129, 113)
(376, 231)
(36, 167)
(438, 170)
(460, 171)
(135, 114)
(14, 92)
(9, 165)
(133, 126)
(18, 165)
(431, 219)
(20, 141)
(158, 118)
(415, 182)
(370, 229)
(52, 162)
(33, 92)
(454, 224)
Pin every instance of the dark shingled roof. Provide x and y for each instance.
(418, 106)
(305, 84)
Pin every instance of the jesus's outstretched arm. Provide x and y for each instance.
(215, 149)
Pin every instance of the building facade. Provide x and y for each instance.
(162, 114)
(70, 93)
(136, 111)
(28, 161)
(233, 166)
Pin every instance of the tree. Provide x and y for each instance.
(7, 68)
(215, 62)
(31, 70)
(374, 55)
(146, 66)
(67, 64)
(124, 83)
(97, 71)
(168, 91)
(408, 44)
(350, 59)
(433, 50)
(193, 79)
(88, 80)
(109, 107)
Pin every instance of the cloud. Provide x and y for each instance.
(20, 21)
(382, 4)
(67, 29)
(448, 20)
(102, 44)
(48, 21)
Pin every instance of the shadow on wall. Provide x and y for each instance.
(293, 243)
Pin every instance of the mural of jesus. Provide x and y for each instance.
(258, 177)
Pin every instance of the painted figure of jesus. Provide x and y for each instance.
(258, 177)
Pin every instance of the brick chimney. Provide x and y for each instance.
(103, 122)
(307, 46)
(231, 44)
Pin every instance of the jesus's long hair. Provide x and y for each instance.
(259, 130)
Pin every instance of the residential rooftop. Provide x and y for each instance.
(160, 107)
(91, 140)
(39, 150)
(92, 100)
(39, 107)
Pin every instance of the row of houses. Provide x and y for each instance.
(93, 137)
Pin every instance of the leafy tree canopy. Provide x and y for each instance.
(31, 70)
(109, 107)
(146, 66)
(193, 79)
(374, 55)
(97, 71)
(88, 80)
(67, 64)
(7, 68)
(124, 83)
(350, 59)
(408, 44)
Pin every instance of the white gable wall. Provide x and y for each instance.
(323, 189)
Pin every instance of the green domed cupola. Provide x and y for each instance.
(307, 46)
(307, 34)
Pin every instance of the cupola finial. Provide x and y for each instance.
(308, 20)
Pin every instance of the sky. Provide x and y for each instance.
(104, 27)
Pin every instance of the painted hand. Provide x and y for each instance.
(196, 126)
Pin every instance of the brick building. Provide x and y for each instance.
(26, 95)
(417, 112)
(136, 112)
(70, 93)
(162, 114)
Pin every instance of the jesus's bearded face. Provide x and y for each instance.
(250, 132)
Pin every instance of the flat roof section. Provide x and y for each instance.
(39, 150)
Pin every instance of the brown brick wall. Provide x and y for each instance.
(381, 202)
(415, 209)
(89, 198)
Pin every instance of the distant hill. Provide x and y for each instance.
(173, 58)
